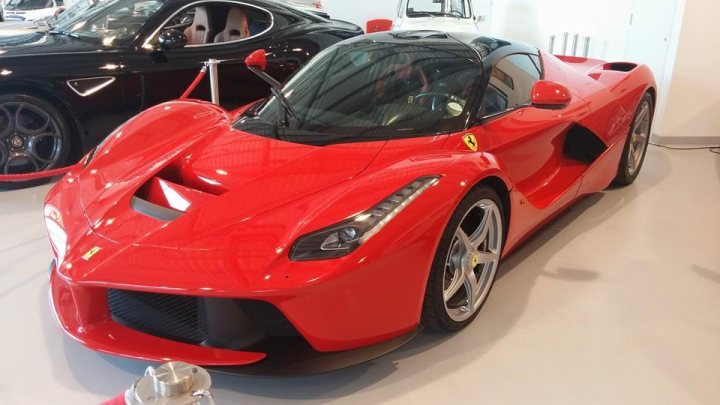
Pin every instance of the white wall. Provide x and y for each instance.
(360, 11)
(533, 21)
(692, 111)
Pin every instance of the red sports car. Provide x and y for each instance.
(374, 192)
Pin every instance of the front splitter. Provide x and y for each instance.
(294, 357)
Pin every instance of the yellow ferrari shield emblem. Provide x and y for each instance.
(475, 261)
(92, 252)
(471, 142)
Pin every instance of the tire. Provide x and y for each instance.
(633, 155)
(41, 141)
(461, 259)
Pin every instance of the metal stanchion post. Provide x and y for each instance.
(214, 86)
(586, 51)
(565, 43)
(576, 38)
(551, 49)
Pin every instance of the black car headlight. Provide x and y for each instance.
(341, 239)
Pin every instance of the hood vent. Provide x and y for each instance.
(165, 197)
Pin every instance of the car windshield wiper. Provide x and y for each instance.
(276, 89)
(285, 104)
(420, 13)
(63, 33)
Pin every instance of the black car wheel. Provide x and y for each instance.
(34, 136)
(466, 262)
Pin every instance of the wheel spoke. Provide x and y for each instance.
(466, 241)
(641, 115)
(487, 257)
(20, 127)
(4, 133)
(455, 285)
(21, 156)
(482, 231)
(471, 286)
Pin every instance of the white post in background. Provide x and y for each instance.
(214, 86)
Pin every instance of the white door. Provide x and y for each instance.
(484, 9)
(650, 34)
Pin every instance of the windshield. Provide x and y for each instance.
(74, 11)
(112, 21)
(367, 90)
(439, 8)
(28, 4)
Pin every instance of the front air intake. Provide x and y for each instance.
(213, 322)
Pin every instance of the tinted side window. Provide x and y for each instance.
(510, 84)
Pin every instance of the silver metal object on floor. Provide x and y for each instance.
(174, 383)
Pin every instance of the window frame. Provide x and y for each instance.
(541, 69)
(446, 3)
(147, 43)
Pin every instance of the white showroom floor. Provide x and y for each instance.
(617, 301)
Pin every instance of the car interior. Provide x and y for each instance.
(219, 22)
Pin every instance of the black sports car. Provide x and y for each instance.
(63, 90)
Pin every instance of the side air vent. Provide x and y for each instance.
(620, 66)
(89, 86)
(583, 145)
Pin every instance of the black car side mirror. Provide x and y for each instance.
(172, 39)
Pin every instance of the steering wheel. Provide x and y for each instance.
(459, 14)
(450, 104)
(434, 104)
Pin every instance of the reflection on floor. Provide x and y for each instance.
(618, 301)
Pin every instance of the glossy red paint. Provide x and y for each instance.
(245, 199)
(257, 60)
(550, 95)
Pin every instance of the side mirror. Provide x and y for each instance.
(550, 95)
(172, 39)
(257, 60)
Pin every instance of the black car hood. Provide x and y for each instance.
(40, 43)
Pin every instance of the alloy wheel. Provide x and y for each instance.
(30, 138)
(639, 138)
(472, 260)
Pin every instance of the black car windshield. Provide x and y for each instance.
(28, 4)
(438, 8)
(368, 90)
(73, 12)
(113, 21)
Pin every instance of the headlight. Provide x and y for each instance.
(56, 233)
(343, 238)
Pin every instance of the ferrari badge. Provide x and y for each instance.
(92, 252)
(471, 142)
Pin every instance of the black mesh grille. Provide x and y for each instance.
(169, 316)
(213, 322)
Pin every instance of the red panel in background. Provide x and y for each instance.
(378, 25)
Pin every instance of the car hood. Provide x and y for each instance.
(185, 171)
(42, 44)
(19, 28)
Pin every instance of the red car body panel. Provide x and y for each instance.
(245, 199)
